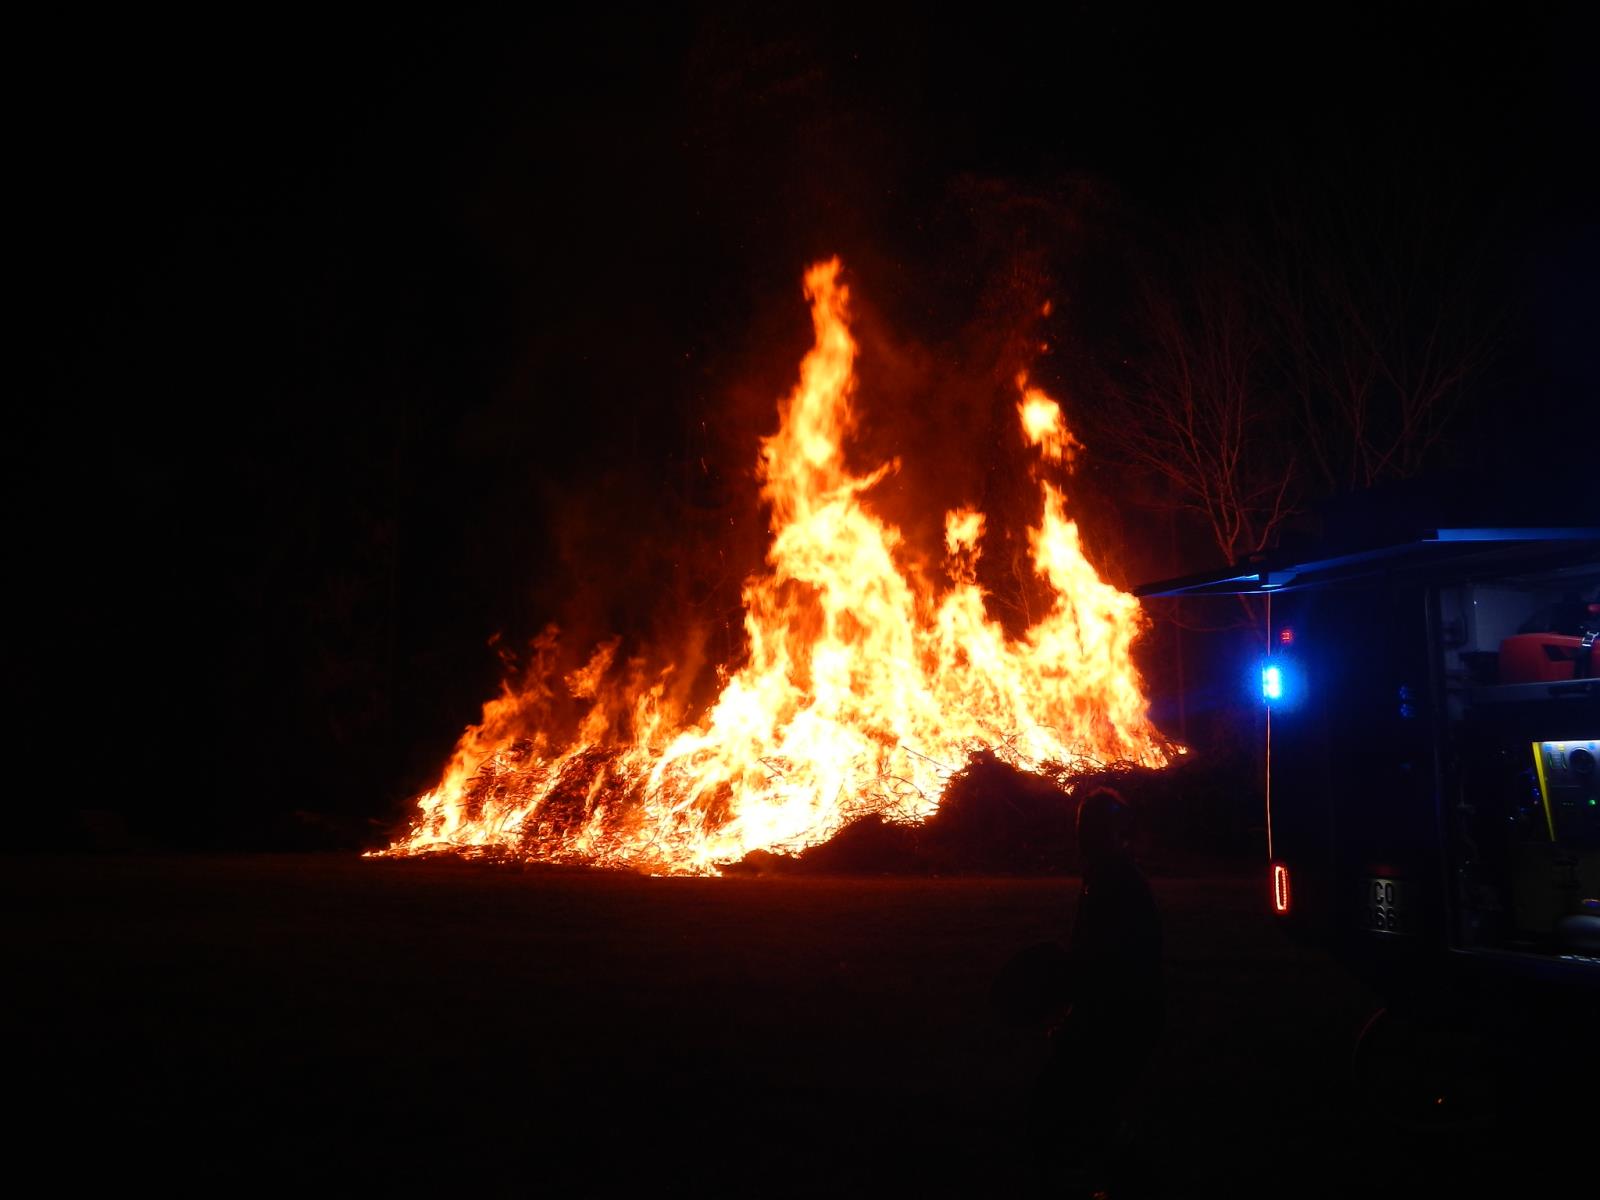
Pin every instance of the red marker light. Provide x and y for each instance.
(1286, 636)
(1280, 889)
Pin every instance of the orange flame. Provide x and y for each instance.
(862, 692)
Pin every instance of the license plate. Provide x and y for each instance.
(1386, 906)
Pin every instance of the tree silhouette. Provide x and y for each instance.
(1328, 348)
(1380, 328)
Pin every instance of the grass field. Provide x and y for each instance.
(317, 1023)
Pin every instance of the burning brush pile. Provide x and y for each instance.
(868, 690)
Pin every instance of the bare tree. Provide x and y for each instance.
(1329, 354)
(1195, 408)
(1378, 318)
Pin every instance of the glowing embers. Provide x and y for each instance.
(869, 676)
(1280, 889)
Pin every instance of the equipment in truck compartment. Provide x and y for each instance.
(1546, 657)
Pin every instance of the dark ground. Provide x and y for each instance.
(222, 1024)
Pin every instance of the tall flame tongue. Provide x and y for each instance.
(862, 691)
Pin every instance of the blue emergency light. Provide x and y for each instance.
(1271, 683)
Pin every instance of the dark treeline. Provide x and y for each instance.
(362, 345)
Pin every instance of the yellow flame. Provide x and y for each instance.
(862, 691)
(1043, 425)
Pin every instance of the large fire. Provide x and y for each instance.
(864, 689)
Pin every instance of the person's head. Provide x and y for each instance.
(1105, 822)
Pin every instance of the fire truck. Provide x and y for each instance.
(1432, 782)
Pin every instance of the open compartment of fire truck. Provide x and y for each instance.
(1519, 673)
(1431, 748)
(1431, 738)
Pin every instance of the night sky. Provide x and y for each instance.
(361, 342)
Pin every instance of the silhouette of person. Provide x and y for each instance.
(1100, 1050)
